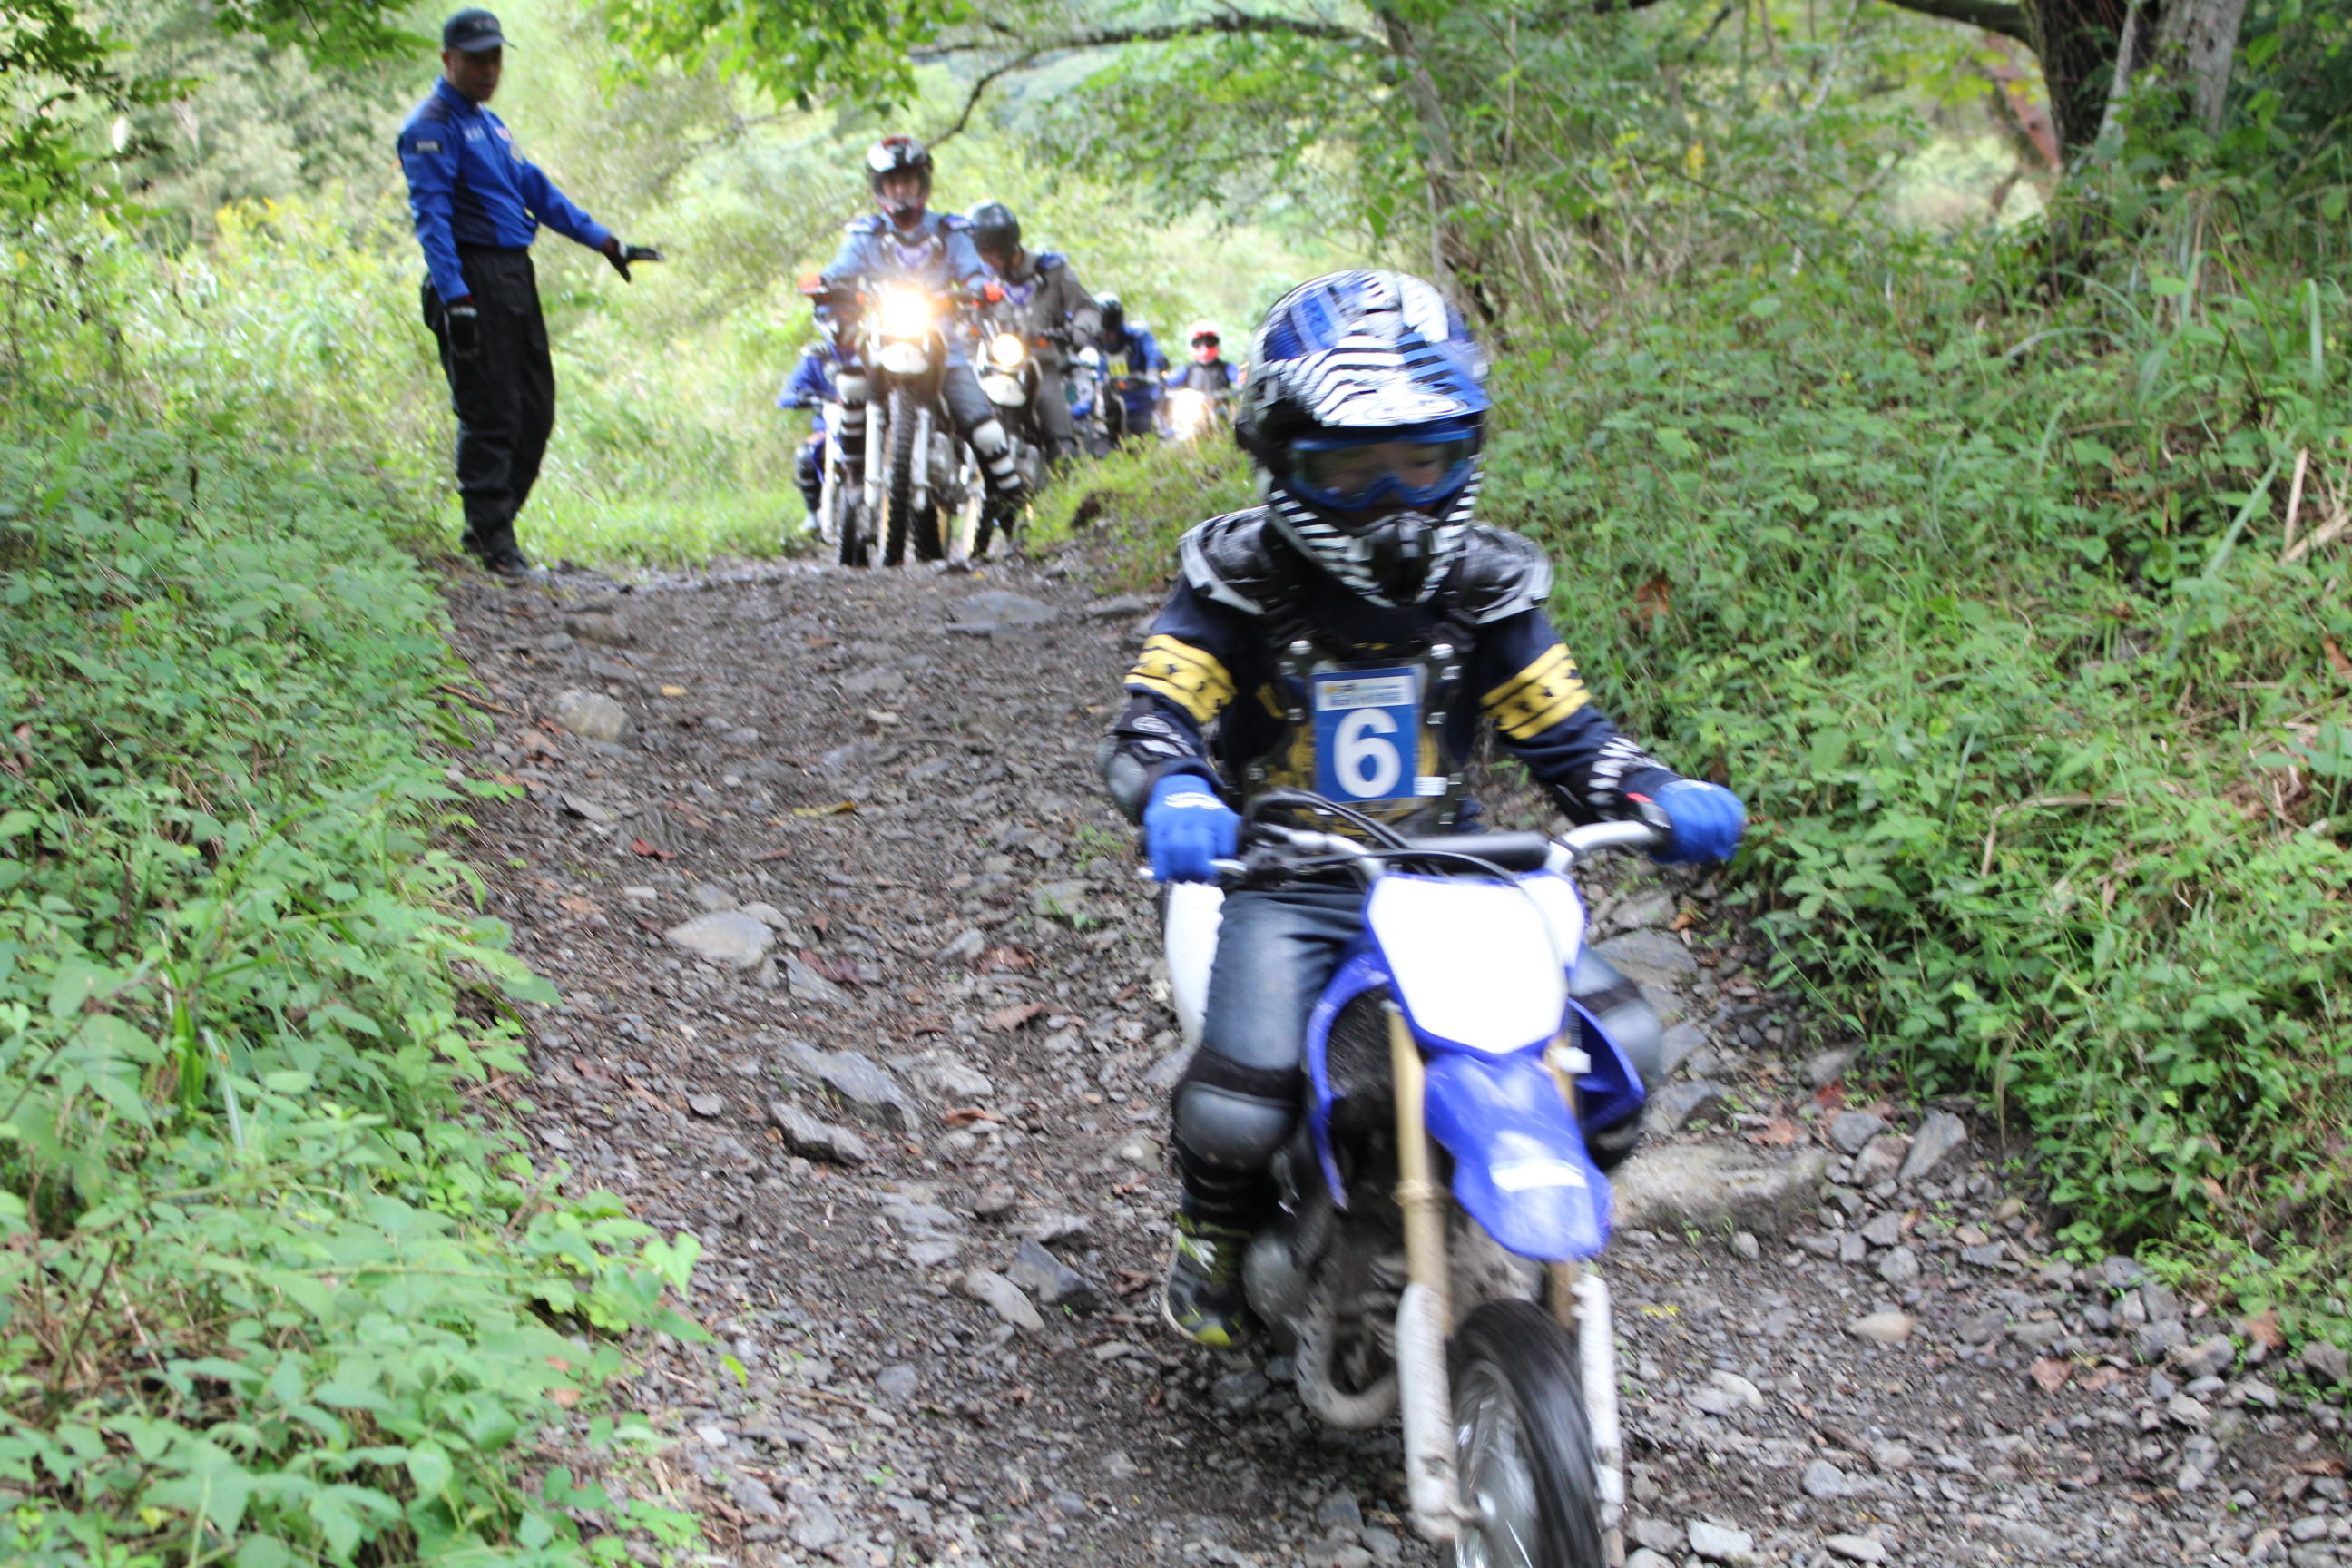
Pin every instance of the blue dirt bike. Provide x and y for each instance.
(1442, 1210)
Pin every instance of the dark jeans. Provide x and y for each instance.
(1053, 413)
(808, 471)
(504, 395)
(1240, 1096)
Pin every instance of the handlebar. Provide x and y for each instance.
(1274, 849)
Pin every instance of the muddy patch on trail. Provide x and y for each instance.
(859, 988)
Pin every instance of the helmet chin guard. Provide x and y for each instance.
(1393, 560)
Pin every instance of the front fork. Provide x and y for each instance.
(922, 459)
(1424, 1319)
(1579, 1298)
(877, 438)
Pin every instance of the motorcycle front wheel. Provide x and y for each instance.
(853, 536)
(1523, 1451)
(898, 477)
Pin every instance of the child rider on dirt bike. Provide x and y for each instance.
(1364, 412)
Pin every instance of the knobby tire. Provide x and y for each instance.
(898, 477)
(1536, 1364)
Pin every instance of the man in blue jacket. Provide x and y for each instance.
(812, 387)
(479, 203)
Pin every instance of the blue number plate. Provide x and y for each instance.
(1368, 734)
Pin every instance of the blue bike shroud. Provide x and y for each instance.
(1519, 1163)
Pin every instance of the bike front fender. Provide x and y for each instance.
(1519, 1165)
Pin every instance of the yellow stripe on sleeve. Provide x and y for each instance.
(1187, 676)
(1539, 697)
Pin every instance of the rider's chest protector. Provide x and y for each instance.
(1364, 726)
(1376, 715)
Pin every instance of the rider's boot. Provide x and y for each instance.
(994, 447)
(1204, 1299)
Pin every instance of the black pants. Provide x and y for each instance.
(504, 395)
(1053, 413)
(808, 471)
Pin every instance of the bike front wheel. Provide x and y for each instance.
(1524, 1454)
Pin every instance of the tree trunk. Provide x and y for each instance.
(2195, 40)
(2078, 42)
(1457, 253)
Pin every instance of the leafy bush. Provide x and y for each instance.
(1989, 614)
(277, 1287)
(1987, 605)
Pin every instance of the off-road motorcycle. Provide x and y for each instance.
(1009, 375)
(1442, 1208)
(895, 468)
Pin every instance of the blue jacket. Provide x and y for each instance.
(468, 184)
(1142, 351)
(812, 384)
(940, 252)
(938, 255)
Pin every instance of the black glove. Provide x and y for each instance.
(463, 326)
(621, 256)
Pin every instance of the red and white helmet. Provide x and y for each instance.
(1202, 336)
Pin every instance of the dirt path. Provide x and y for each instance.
(930, 1100)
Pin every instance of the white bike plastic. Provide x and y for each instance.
(1195, 909)
(1449, 940)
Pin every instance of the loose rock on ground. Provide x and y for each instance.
(911, 1104)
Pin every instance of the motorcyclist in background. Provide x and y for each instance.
(1146, 365)
(1364, 414)
(1210, 371)
(1048, 299)
(812, 387)
(905, 240)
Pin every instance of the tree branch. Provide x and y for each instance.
(987, 80)
(1231, 23)
(1993, 15)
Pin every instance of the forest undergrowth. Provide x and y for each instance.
(278, 1284)
(2017, 608)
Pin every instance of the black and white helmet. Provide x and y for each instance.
(894, 155)
(1365, 410)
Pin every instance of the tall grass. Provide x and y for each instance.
(281, 1285)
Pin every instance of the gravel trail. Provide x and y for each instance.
(859, 990)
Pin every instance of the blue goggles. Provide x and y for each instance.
(1414, 468)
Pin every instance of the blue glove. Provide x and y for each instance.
(1185, 826)
(1707, 819)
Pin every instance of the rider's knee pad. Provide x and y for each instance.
(1624, 1013)
(1233, 1117)
(995, 450)
(989, 439)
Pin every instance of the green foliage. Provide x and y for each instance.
(1132, 506)
(1990, 615)
(66, 75)
(276, 1289)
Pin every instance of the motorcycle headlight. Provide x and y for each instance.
(905, 313)
(1007, 350)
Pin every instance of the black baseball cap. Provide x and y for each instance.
(472, 30)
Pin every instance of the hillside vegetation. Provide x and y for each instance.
(2023, 626)
(279, 1288)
